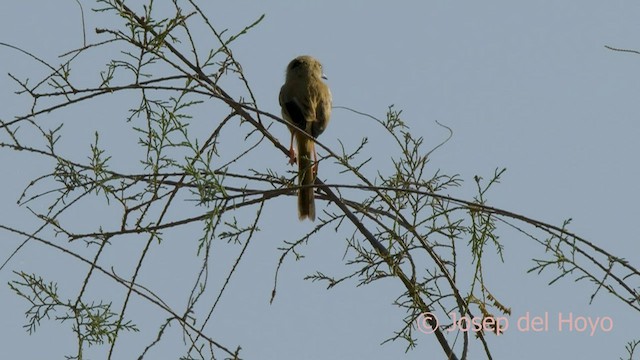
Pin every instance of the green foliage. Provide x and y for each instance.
(93, 323)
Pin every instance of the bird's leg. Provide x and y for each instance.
(315, 162)
(292, 152)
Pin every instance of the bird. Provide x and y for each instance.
(305, 100)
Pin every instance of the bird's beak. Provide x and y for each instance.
(325, 76)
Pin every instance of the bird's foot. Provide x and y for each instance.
(292, 156)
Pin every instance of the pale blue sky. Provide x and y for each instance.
(524, 85)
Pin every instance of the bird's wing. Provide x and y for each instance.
(293, 109)
(322, 111)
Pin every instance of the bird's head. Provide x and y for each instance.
(305, 66)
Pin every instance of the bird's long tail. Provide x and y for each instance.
(306, 177)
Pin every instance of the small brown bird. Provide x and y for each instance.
(306, 104)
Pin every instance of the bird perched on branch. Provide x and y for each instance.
(306, 105)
